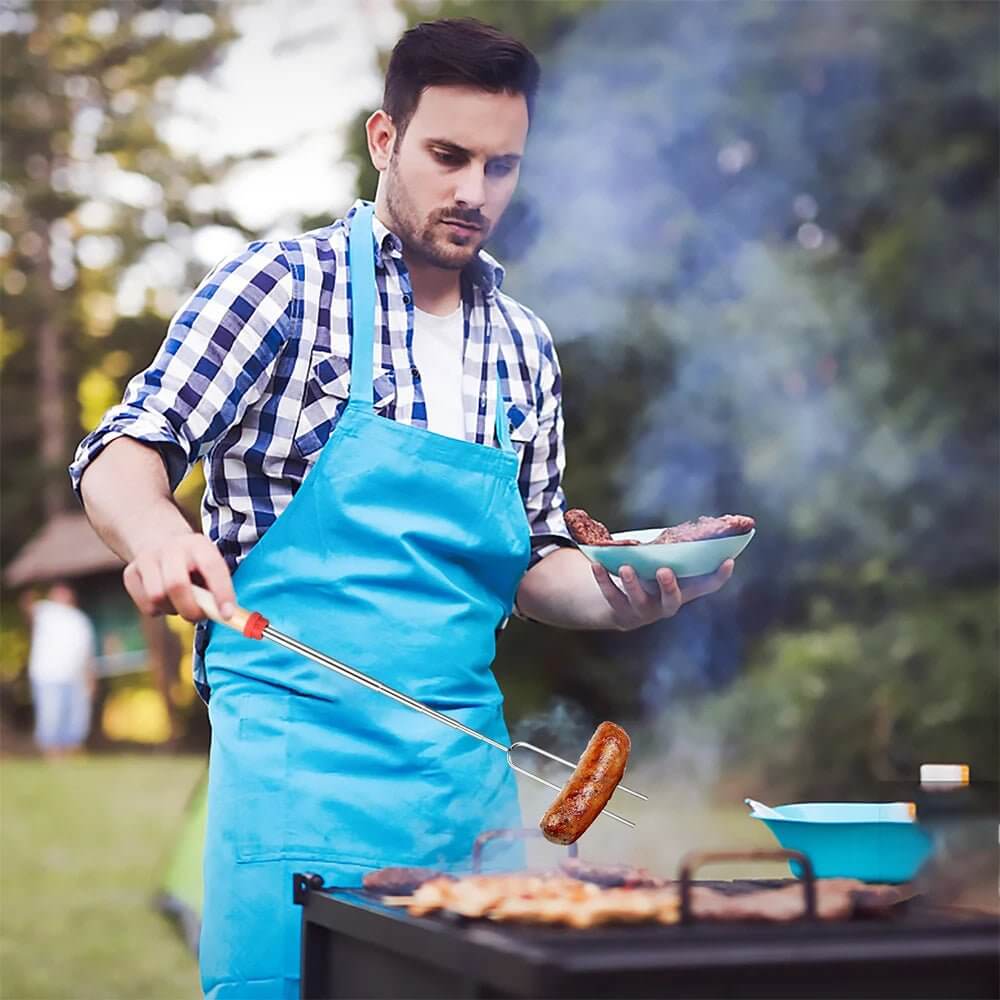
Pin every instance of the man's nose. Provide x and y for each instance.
(471, 189)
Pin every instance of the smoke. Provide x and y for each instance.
(679, 182)
(562, 729)
(677, 763)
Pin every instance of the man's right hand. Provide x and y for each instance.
(150, 533)
(159, 578)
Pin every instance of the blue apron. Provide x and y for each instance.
(400, 555)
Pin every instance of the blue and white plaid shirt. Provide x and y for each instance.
(255, 372)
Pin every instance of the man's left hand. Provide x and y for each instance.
(635, 603)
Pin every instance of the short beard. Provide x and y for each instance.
(418, 234)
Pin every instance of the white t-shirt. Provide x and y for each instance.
(437, 350)
(62, 643)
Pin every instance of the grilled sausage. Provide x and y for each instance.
(590, 786)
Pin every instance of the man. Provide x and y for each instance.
(382, 435)
(61, 670)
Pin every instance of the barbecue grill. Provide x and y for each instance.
(355, 946)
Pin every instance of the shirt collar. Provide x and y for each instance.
(485, 271)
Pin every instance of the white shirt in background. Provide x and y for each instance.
(438, 344)
(62, 643)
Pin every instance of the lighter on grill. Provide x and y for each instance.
(254, 625)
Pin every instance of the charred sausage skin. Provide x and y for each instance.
(590, 786)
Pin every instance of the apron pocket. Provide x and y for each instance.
(258, 796)
(252, 931)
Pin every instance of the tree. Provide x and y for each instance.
(92, 193)
(98, 208)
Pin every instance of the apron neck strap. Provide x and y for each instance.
(503, 434)
(361, 294)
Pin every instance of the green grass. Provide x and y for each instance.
(83, 844)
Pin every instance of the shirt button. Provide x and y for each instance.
(415, 372)
(407, 298)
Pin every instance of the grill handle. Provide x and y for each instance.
(302, 884)
(518, 833)
(695, 859)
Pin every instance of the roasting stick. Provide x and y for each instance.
(254, 625)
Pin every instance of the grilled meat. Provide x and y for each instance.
(556, 899)
(398, 881)
(623, 906)
(551, 899)
(706, 527)
(597, 775)
(587, 531)
(477, 895)
(611, 876)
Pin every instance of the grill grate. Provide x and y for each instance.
(353, 946)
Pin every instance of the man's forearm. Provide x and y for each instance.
(561, 590)
(127, 498)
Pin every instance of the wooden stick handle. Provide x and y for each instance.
(237, 621)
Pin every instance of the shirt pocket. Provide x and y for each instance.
(327, 390)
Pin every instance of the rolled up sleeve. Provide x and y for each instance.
(544, 458)
(216, 360)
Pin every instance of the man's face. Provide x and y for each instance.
(450, 178)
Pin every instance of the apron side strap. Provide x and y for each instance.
(502, 430)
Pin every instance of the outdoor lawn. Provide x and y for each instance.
(82, 845)
(85, 841)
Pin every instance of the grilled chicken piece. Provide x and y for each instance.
(476, 895)
(550, 899)
(603, 907)
(556, 899)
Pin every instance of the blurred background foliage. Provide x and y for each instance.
(765, 238)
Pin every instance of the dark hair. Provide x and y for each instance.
(456, 51)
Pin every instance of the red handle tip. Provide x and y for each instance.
(256, 623)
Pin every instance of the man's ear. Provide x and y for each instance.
(381, 139)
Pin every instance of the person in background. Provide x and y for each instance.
(61, 668)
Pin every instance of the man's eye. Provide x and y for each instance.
(499, 169)
(448, 158)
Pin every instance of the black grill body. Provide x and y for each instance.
(353, 946)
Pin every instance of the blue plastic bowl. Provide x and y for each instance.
(684, 558)
(870, 841)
